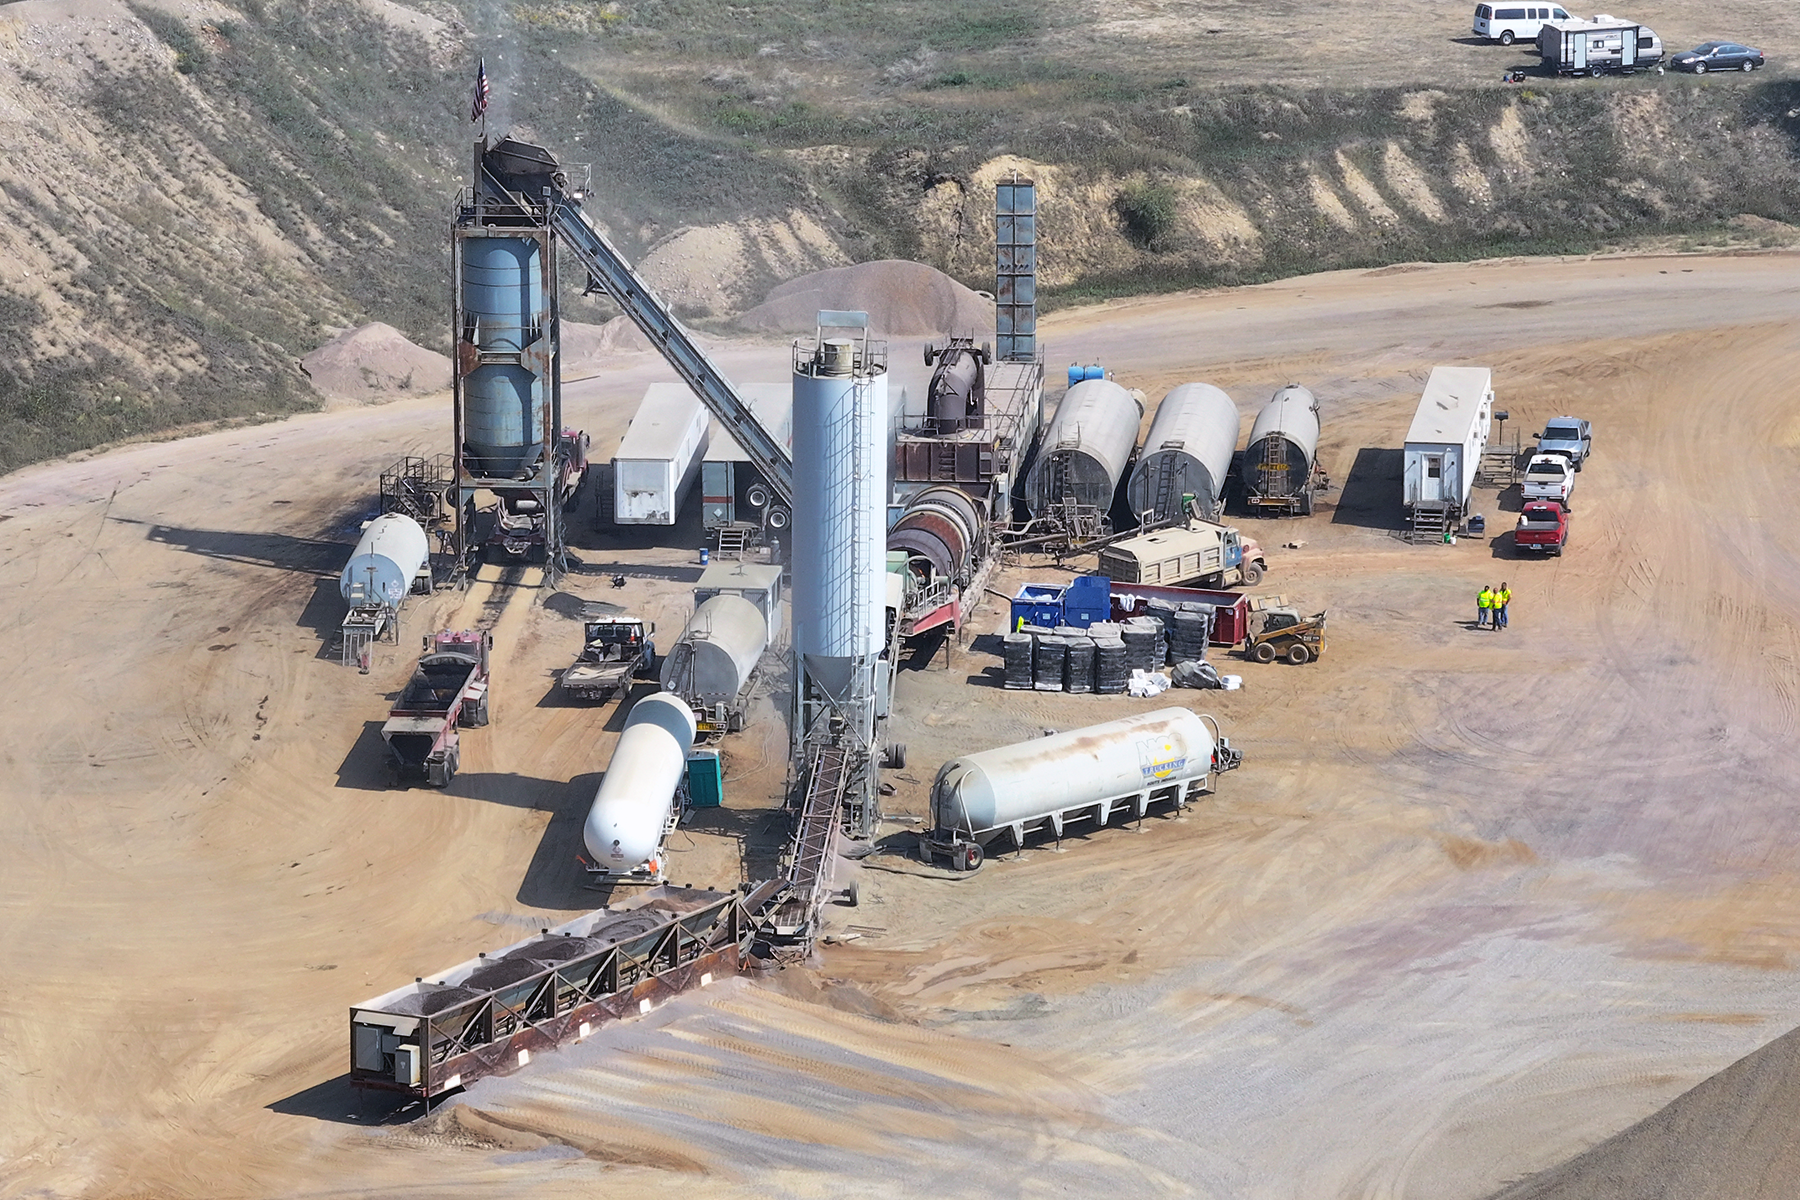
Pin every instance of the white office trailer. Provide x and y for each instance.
(657, 461)
(1444, 446)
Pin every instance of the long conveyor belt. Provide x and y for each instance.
(607, 266)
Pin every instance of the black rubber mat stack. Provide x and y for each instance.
(1015, 651)
(1188, 633)
(1143, 643)
(1080, 672)
(1050, 659)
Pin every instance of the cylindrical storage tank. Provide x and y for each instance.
(1284, 443)
(942, 525)
(840, 495)
(725, 638)
(388, 557)
(1188, 450)
(1083, 451)
(956, 395)
(503, 404)
(631, 809)
(990, 790)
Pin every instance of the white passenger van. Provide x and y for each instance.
(1509, 23)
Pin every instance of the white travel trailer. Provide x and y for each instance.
(1604, 44)
(656, 463)
(1444, 446)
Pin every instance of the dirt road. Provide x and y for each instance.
(1475, 901)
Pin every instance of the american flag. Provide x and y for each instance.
(481, 92)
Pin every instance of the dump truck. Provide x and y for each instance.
(614, 651)
(1212, 555)
(1287, 634)
(448, 689)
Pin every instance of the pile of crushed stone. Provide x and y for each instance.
(903, 299)
(1732, 1137)
(586, 347)
(372, 363)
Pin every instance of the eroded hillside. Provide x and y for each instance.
(198, 193)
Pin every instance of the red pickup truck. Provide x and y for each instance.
(1543, 528)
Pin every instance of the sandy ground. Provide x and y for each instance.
(1475, 902)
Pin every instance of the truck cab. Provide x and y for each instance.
(1571, 437)
(1549, 477)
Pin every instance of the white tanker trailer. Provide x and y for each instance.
(392, 557)
(388, 559)
(634, 808)
(1122, 768)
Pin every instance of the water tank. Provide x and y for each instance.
(503, 403)
(840, 488)
(624, 829)
(1083, 451)
(388, 557)
(943, 526)
(1028, 781)
(1188, 450)
(1284, 443)
(712, 660)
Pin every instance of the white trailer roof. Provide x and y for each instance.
(727, 576)
(773, 404)
(1447, 410)
(663, 419)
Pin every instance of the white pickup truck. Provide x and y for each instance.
(1549, 477)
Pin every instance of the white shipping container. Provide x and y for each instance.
(1448, 437)
(660, 455)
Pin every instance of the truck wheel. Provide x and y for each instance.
(1264, 652)
(1298, 654)
(895, 756)
(1596, 72)
(1252, 574)
(969, 857)
(925, 855)
(1506, 37)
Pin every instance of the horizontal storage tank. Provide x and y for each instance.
(631, 809)
(1084, 450)
(387, 560)
(503, 403)
(714, 657)
(1018, 785)
(1030, 781)
(1284, 444)
(943, 526)
(1188, 451)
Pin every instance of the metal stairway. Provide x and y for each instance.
(608, 267)
(1429, 523)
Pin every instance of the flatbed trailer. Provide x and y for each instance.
(448, 689)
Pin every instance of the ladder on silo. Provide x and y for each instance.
(606, 266)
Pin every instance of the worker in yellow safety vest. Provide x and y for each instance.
(1484, 606)
(1502, 598)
